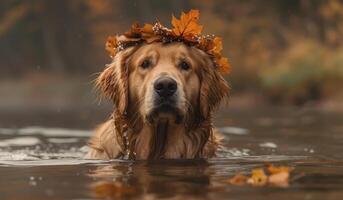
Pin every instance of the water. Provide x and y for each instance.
(44, 162)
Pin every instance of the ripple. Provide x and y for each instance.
(19, 141)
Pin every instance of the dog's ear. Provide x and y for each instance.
(113, 81)
(213, 89)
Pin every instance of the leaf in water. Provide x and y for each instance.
(280, 179)
(277, 176)
(274, 170)
(112, 190)
(238, 179)
(258, 177)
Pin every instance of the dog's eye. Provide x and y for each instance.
(146, 63)
(184, 65)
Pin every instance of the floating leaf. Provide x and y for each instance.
(258, 177)
(280, 179)
(238, 179)
(278, 176)
(274, 170)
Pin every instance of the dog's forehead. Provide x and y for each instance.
(169, 49)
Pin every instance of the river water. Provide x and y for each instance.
(45, 162)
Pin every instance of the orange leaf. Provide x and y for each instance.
(258, 177)
(148, 33)
(223, 64)
(134, 32)
(238, 179)
(111, 46)
(274, 170)
(187, 26)
(279, 179)
(147, 28)
(218, 46)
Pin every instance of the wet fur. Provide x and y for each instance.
(128, 134)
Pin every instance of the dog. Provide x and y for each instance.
(164, 96)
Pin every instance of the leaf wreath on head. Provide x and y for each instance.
(186, 30)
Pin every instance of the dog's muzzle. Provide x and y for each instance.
(165, 99)
(165, 87)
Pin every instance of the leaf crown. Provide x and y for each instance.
(186, 30)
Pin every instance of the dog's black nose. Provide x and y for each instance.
(165, 86)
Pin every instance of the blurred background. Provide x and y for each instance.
(283, 53)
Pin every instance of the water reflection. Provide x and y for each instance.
(160, 179)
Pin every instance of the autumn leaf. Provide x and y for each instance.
(223, 64)
(274, 170)
(238, 179)
(185, 29)
(277, 176)
(218, 46)
(147, 28)
(111, 45)
(258, 177)
(280, 179)
(148, 34)
(134, 32)
(187, 26)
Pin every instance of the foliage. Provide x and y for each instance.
(276, 176)
(289, 50)
(186, 30)
(307, 70)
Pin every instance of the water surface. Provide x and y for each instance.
(41, 162)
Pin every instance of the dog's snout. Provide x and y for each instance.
(165, 86)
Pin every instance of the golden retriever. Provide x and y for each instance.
(164, 96)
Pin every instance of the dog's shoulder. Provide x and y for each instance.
(104, 144)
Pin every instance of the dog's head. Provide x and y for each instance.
(164, 81)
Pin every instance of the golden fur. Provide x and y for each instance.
(135, 130)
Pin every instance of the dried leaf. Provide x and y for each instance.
(258, 177)
(218, 46)
(279, 176)
(147, 28)
(185, 29)
(111, 46)
(280, 179)
(148, 34)
(187, 26)
(239, 180)
(134, 32)
(223, 64)
(274, 170)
